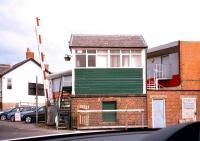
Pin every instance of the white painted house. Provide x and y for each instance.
(17, 81)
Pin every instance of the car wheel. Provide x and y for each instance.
(12, 118)
(28, 119)
(3, 117)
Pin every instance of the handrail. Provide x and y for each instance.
(161, 71)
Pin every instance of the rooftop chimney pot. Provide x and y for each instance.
(29, 54)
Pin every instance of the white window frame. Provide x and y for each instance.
(120, 66)
(129, 54)
(76, 54)
(109, 56)
(103, 54)
(9, 83)
(88, 54)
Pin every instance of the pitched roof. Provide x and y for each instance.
(107, 41)
(19, 64)
(4, 67)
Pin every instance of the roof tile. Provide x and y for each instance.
(114, 41)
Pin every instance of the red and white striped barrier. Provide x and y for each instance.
(41, 56)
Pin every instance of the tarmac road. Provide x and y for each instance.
(123, 136)
(12, 130)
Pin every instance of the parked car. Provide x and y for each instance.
(11, 115)
(25, 113)
(31, 116)
(5, 113)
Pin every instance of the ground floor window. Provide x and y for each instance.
(109, 115)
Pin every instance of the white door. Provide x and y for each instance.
(189, 108)
(158, 113)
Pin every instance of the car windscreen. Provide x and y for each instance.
(41, 109)
(14, 110)
(28, 109)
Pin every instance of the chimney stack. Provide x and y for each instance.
(29, 54)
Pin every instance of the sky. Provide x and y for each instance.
(158, 21)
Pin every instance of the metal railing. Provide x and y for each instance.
(21, 104)
(163, 71)
(124, 118)
(151, 84)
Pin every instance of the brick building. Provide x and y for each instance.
(173, 82)
(108, 81)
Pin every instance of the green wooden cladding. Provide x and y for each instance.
(108, 81)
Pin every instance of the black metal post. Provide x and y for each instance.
(36, 100)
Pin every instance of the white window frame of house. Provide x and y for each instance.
(132, 52)
(105, 54)
(90, 54)
(116, 53)
(124, 53)
(9, 83)
(82, 52)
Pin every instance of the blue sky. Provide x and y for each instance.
(159, 21)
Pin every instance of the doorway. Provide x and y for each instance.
(158, 113)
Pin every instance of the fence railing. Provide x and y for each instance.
(19, 104)
(120, 118)
(163, 71)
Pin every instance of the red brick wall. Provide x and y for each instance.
(173, 104)
(0, 105)
(95, 103)
(190, 65)
(6, 106)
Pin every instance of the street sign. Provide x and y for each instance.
(17, 116)
(32, 89)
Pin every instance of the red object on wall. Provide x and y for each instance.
(175, 81)
(57, 94)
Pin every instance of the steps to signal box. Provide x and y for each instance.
(64, 111)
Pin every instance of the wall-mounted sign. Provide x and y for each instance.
(189, 108)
